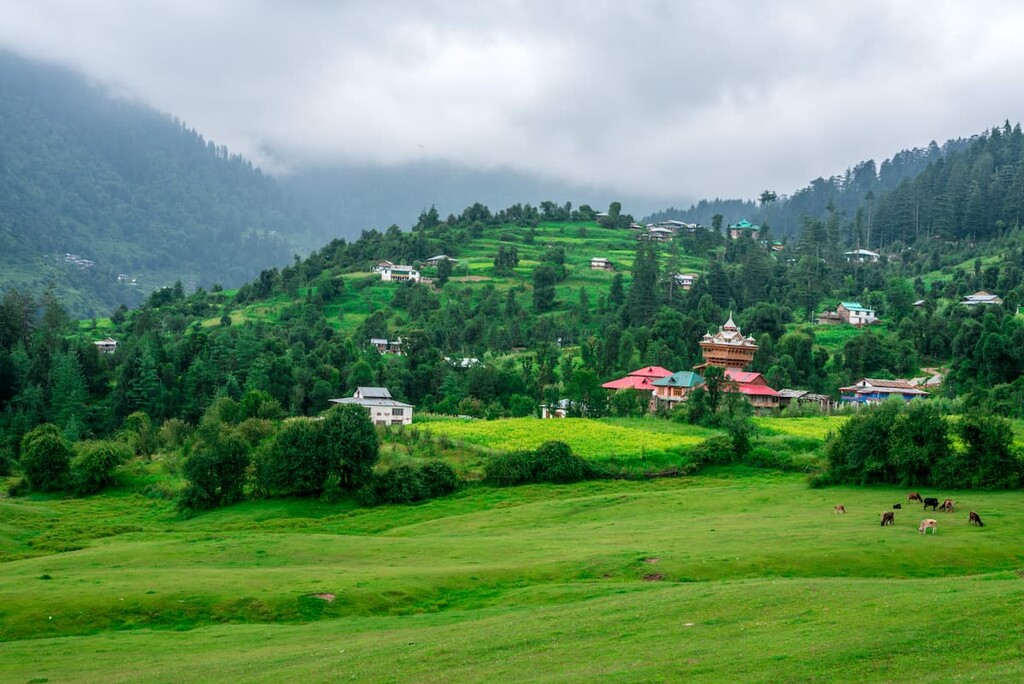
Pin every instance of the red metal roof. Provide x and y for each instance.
(652, 372)
(631, 382)
(757, 390)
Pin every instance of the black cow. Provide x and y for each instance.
(931, 501)
(897, 506)
(888, 518)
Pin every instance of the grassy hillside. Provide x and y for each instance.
(730, 576)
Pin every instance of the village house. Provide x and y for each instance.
(559, 410)
(383, 410)
(672, 389)
(435, 260)
(106, 346)
(641, 380)
(685, 280)
(788, 397)
(737, 229)
(861, 255)
(848, 312)
(753, 387)
(656, 234)
(601, 264)
(385, 346)
(981, 298)
(390, 272)
(873, 391)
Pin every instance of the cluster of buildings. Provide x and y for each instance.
(78, 261)
(732, 351)
(392, 272)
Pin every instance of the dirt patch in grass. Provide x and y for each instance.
(654, 577)
(324, 597)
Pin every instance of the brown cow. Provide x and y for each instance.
(913, 496)
(926, 523)
(975, 519)
(840, 508)
(888, 518)
(947, 505)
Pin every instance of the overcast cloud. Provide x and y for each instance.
(658, 98)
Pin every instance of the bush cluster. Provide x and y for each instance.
(407, 484)
(550, 462)
(912, 446)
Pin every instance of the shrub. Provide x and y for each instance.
(174, 433)
(715, 450)
(6, 461)
(92, 468)
(137, 431)
(294, 462)
(400, 484)
(439, 478)
(555, 462)
(215, 473)
(260, 404)
(255, 430)
(45, 459)
(513, 468)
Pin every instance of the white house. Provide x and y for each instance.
(861, 255)
(382, 408)
(685, 280)
(601, 264)
(107, 346)
(981, 297)
(397, 272)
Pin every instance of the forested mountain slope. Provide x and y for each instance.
(126, 190)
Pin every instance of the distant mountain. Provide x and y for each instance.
(858, 190)
(106, 199)
(349, 199)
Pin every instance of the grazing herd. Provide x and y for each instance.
(948, 506)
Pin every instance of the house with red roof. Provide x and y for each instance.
(641, 379)
(754, 387)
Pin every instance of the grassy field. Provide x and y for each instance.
(736, 575)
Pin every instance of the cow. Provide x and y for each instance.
(926, 523)
(840, 508)
(888, 518)
(931, 501)
(913, 496)
(947, 505)
(897, 507)
(975, 519)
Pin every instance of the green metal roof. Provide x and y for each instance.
(853, 306)
(680, 379)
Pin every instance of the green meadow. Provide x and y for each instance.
(736, 574)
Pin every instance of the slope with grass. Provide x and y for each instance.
(732, 575)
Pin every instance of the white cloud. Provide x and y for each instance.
(660, 98)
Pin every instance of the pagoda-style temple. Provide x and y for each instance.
(727, 348)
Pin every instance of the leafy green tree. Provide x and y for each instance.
(350, 444)
(586, 396)
(544, 280)
(918, 439)
(46, 459)
(94, 463)
(294, 462)
(216, 472)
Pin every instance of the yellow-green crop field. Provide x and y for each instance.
(593, 439)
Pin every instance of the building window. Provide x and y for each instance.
(397, 412)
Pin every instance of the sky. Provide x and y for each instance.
(658, 98)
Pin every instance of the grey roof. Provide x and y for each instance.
(371, 402)
(792, 393)
(373, 392)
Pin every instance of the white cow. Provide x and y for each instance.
(926, 523)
